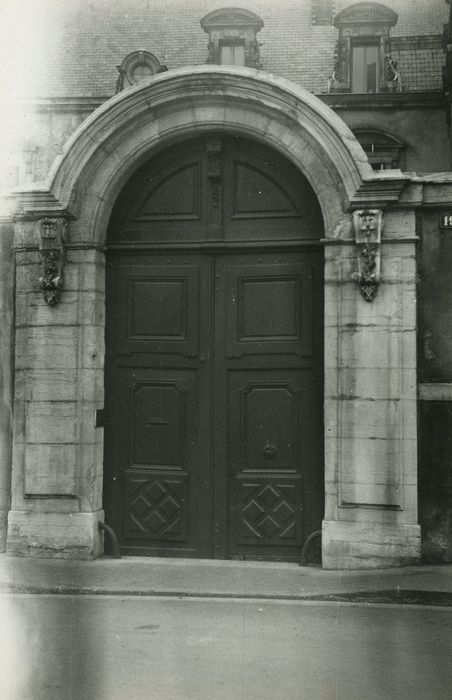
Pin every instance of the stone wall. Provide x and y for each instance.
(6, 371)
(423, 131)
(435, 376)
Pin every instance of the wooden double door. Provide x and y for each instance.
(214, 431)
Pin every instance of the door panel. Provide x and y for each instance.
(268, 375)
(157, 438)
(161, 310)
(176, 197)
(160, 421)
(270, 307)
(216, 188)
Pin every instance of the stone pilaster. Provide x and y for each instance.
(57, 450)
(370, 406)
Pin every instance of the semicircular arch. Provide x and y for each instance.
(128, 129)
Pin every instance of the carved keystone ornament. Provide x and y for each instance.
(52, 236)
(368, 227)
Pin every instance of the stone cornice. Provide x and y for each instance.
(52, 105)
(403, 100)
(432, 190)
(384, 188)
(386, 100)
(36, 202)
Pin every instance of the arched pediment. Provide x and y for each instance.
(114, 141)
(365, 13)
(231, 17)
(368, 135)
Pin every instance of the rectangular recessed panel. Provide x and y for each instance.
(269, 426)
(155, 507)
(275, 431)
(257, 193)
(176, 197)
(269, 308)
(157, 424)
(156, 305)
(158, 308)
(268, 512)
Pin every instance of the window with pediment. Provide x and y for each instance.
(362, 62)
(232, 37)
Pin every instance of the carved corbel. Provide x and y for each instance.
(368, 227)
(214, 172)
(52, 237)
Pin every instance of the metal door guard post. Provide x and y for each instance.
(307, 544)
(114, 539)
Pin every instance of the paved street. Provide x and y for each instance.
(115, 648)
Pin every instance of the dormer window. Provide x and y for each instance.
(232, 37)
(362, 61)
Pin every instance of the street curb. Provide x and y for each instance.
(376, 597)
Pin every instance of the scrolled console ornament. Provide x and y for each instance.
(52, 237)
(368, 227)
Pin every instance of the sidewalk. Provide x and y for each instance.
(237, 579)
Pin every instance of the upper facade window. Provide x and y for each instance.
(232, 37)
(362, 60)
(382, 149)
(137, 66)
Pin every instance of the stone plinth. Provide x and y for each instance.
(369, 545)
(54, 535)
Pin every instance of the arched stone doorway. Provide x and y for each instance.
(369, 360)
(214, 372)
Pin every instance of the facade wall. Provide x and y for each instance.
(371, 438)
(371, 514)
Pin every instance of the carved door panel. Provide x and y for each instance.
(268, 376)
(157, 435)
